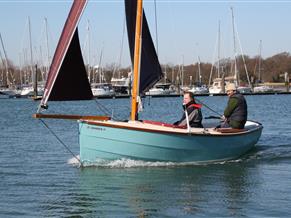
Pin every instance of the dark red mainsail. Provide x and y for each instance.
(150, 69)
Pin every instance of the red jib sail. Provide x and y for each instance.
(67, 78)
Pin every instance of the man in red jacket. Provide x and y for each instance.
(193, 110)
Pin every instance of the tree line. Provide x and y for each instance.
(270, 69)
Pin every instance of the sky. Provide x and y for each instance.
(181, 30)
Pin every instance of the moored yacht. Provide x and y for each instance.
(102, 90)
(244, 89)
(200, 89)
(263, 89)
(121, 85)
(28, 90)
(161, 89)
(8, 93)
(216, 87)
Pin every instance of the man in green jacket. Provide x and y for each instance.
(236, 112)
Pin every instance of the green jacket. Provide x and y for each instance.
(236, 111)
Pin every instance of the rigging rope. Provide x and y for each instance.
(199, 101)
(102, 108)
(106, 111)
(54, 134)
(156, 24)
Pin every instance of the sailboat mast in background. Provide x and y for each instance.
(236, 77)
(5, 63)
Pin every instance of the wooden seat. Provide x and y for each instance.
(230, 130)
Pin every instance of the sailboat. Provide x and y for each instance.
(241, 88)
(261, 88)
(100, 137)
(8, 89)
(199, 88)
(218, 83)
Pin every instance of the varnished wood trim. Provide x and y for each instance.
(69, 117)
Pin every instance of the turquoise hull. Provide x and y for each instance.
(111, 143)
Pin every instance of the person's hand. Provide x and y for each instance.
(223, 118)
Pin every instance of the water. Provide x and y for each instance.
(39, 177)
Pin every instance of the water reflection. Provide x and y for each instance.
(219, 190)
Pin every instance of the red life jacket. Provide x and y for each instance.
(198, 106)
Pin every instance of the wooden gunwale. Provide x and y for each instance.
(203, 132)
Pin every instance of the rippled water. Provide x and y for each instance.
(40, 178)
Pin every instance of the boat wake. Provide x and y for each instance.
(74, 161)
(129, 163)
(269, 153)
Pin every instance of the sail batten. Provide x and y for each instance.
(150, 69)
(69, 41)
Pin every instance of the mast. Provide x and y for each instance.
(236, 73)
(260, 59)
(118, 63)
(156, 27)
(99, 69)
(121, 47)
(30, 46)
(2, 73)
(20, 70)
(5, 62)
(218, 51)
(199, 72)
(137, 55)
(217, 45)
(182, 69)
(234, 49)
(88, 54)
(47, 48)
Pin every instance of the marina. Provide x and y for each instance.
(277, 89)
